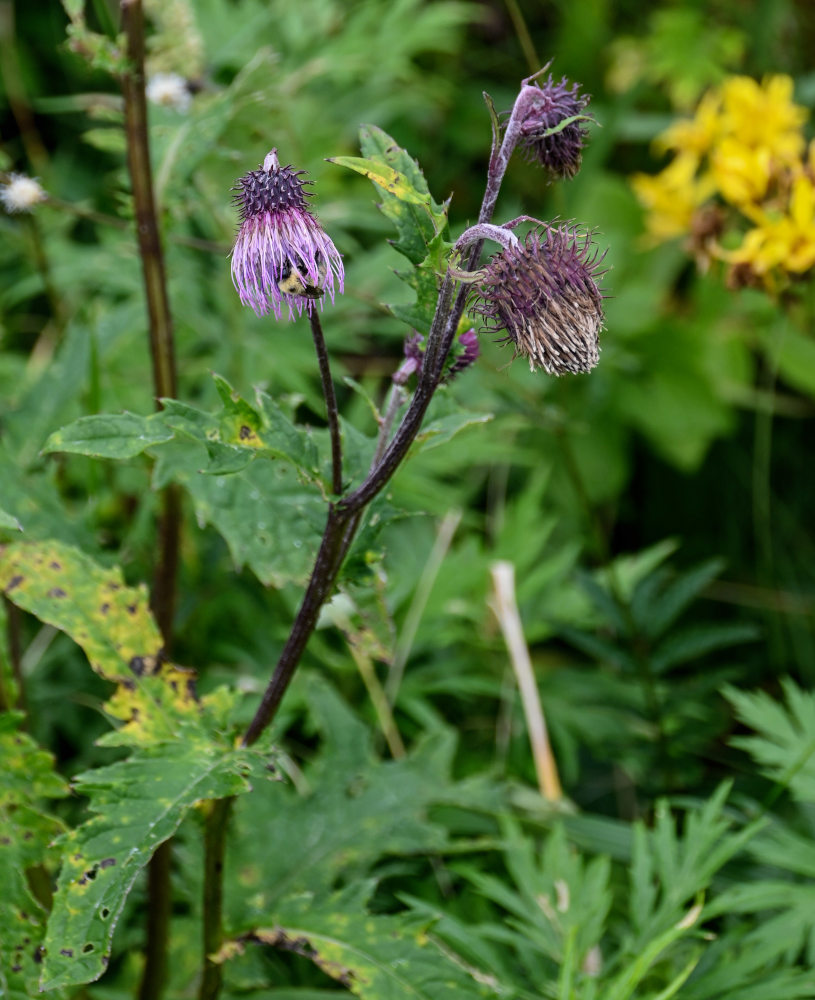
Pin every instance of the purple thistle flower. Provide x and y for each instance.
(539, 108)
(544, 293)
(281, 255)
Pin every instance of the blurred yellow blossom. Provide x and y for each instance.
(742, 175)
(671, 197)
(782, 239)
(695, 135)
(763, 116)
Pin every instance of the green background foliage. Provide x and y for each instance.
(657, 514)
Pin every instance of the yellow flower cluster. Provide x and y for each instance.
(741, 182)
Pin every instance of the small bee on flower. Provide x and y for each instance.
(282, 255)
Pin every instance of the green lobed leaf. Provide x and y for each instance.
(139, 803)
(374, 957)
(25, 836)
(233, 437)
(356, 810)
(271, 522)
(406, 198)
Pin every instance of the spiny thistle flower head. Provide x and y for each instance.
(542, 107)
(282, 255)
(543, 292)
(21, 193)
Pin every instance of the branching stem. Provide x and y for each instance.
(344, 515)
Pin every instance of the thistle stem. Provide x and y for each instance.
(215, 827)
(332, 412)
(162, 353)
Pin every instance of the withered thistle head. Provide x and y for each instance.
(282, 255)
(542, 107)
(544, 293)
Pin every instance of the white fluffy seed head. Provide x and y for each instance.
(170, 91)
(21, 193)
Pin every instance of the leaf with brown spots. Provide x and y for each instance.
(137, 804)
(62, 586)
(25, 835)
(110, 621)
(375, 957)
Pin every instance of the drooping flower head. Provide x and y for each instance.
(21, 193)
(282, 255)
(542, 107)
(544, 293)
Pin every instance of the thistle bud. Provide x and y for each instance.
(282, 255)
(539, 108)
(544, 293)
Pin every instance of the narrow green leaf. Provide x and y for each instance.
(392, 181)
(117, 436)
(9, 521)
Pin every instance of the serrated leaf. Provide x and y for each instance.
(406, 199)
(374, 957)
(117, 435)
(233, 437)
(784, 748)
(356, 809)
(139, 803)
(271, 522)
(25, 835)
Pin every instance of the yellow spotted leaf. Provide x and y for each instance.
(112, 624)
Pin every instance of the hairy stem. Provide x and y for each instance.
(337, 537)
(162, 352)
(396, 398)
(138, 156)
(215, 827)
(330, 401)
